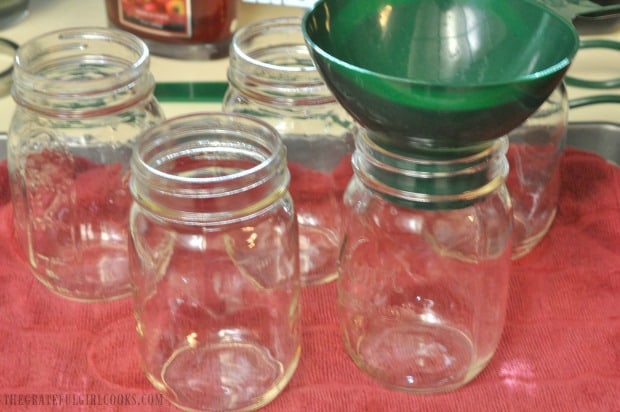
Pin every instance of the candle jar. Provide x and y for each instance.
(272, 77)
(214, 261)
(425, 262)
(82, 95)
(183, 29)
(534, 178)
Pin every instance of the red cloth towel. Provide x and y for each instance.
(560, 350)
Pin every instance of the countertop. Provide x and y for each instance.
(48, 15)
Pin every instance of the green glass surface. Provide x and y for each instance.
(439, 73)
(187, 92)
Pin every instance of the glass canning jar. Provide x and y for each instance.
(272, 77)
(534, 177)
(214, 261)
(424, 265)
(83, 95)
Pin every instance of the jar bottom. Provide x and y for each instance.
(534, 185)
(318, 253)
(231, 376)
(526, 239)
(417, 357)
(100, 275)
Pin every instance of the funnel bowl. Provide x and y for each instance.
(439, 73)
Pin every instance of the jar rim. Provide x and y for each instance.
(240, 162)
(275, 25)
(195, 123)
(58, 46)
(88, 33)
(270, 62)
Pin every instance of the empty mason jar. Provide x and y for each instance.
(83, 95)
(214, 258)
(272, 77)
(425, 262)
(534, 178)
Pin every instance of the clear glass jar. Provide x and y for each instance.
(215, 264)
(424, 266)
(272, 77)
(534, 177)
(83, 95)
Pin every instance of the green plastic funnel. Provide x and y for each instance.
(439, 73)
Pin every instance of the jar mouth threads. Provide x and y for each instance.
(270, 59)
(214, 164)
(449, 181)
(89, 64)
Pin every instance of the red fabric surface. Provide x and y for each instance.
(560, 350)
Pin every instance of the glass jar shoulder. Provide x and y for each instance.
(480, 231)
(119, 126)
(326, 109)
(277, 216)
(263, 244)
